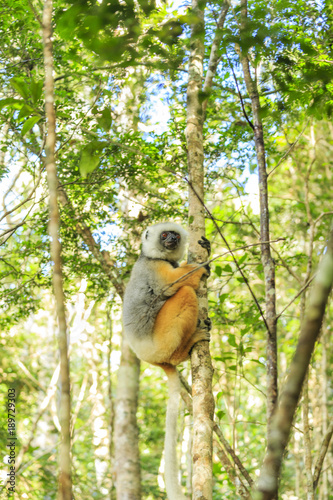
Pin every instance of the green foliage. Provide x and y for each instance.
(115, 64)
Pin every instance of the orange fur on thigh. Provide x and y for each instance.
(175, 324)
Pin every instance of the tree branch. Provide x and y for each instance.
(304, 287)
(214, 56)
(322, 453)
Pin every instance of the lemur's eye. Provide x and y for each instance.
(178, 236)
(164, 235)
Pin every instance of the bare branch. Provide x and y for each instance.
(289, 150)
(322, 453)
(321, 216)
(214, 57)
(235, 458)
(296, 296)
(28, 198)
(307, 439)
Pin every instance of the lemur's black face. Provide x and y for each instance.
(170, 239)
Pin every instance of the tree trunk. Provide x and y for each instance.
(65, 478)
(202, 371)
(266, 258)
(127, 458)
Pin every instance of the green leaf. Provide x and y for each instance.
(220, 414)
(11, 100)
(241, 260)
(224, 358)
(36, 90)
(232, 340)
(20, 86)
(257, 361)
(29, 123)
(223, 296)
(105, 120)
(90, 157)
(88, 163)
(218, 270)
(227, 268)
(26, 110)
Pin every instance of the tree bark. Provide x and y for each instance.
(266, 258)
(127, 457)
(307, 440)
(285, 412)
(65, 477)
(202, 371)
(305, 404)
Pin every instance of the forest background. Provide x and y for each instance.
(122, 72)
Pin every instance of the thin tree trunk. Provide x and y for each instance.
(65, 478)
(305, 402)
(321, 456)
(283, 418)
(307, 440)
(324, 405)
(266, 258)
(127, 457)
(202, 371)
(109, 327)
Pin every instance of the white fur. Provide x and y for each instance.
(151, 244)
(173, 488)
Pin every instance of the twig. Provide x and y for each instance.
(321, 216)
(203, 264)
(322, 453)
(26, 199)
(240, 96)
(28, 374)
(289, 150)
(219, 433)
(231, 452)
(299, 293)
